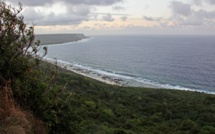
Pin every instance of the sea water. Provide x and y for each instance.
(176, 62)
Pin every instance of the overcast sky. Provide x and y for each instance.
(94, 17)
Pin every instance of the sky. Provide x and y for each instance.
(119, 17)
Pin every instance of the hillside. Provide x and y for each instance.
(87, 106)
(74, 104)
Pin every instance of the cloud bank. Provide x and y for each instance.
(42, 12)
(185, 14)
(85, 14)
(74, 2)
(180, 8)
(108, 17)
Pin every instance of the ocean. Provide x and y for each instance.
(173, 62)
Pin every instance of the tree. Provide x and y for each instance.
(17, 45)
(18, 50)
(19, 69)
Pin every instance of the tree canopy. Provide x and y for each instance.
(17, 45)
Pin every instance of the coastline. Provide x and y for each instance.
(113, 78)
(58, 39)
(53, 39)
(88, 73)
(116, 80)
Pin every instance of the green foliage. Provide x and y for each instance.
(19, 60)
(20, 77)
(90, 107)
(208, 130)
(16, 40)
(107, 112)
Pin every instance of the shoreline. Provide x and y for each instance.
(112, 80)
(89, 73)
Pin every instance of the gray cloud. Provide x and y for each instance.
(151, 18)
(180, 8)
(32, 2)
(211, 1)
(74, 15)
(206, 14)
(118, 8)
(75, 2)
(92, 2)
(31, 14)
(197, 2)
(53, 19)
(61, 20)
(189, 16)
(148, 18)
(80, 10)
(116, 14)
(124, 18)
(108, 17)
(193, 20)
(203, 17)
(77, 11)
(184, 15)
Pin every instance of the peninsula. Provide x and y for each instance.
(48, 39)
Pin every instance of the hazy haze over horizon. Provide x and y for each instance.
(97, 17)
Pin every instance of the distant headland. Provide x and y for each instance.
(48, 39)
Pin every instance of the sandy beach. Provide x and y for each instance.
(103, 77)
(89, 73)
(109, 79)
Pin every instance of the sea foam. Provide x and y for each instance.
(117, 78)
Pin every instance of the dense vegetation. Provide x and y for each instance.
(88, 106)
(18, 70)
(68, 103)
